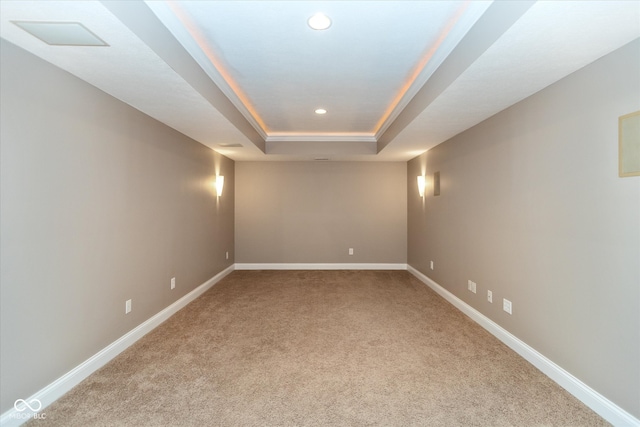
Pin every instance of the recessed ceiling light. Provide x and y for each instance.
(61, 33)
(319, 21)
(321, 111)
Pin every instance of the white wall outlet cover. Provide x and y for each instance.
(506, 306)
(489, 296)
(431, 264)
(471, 286)
(127, 307)
(173, 283)
(350, 251)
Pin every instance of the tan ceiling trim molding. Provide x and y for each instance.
(142, 21)
(186, 32)
(320, 138)
(497, 19)
(328, 149)
(431, 59)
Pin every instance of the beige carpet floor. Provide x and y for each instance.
(319, 348)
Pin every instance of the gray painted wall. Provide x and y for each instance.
(100, 204)
(532, 208)
(313, 212)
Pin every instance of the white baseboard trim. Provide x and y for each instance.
(594, 400)
(598, 403)
(62, 385)
(319, 266)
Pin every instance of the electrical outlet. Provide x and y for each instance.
(490, 296)
(506, 305)
(471, 286)
(173, 283)
(227, 255)
(127, 307)
(431, 265)
(350, 251)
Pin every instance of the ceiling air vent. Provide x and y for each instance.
(61, 33)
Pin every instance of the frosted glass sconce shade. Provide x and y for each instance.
(421, 185)
(219, 185)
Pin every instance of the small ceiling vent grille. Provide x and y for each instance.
(61, 33)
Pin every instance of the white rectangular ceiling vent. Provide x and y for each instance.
(61, 33)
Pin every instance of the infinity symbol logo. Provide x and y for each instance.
(37, 405)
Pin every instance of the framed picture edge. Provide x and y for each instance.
(622, 143)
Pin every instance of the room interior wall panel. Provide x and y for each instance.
(100, 204)
(532, 208)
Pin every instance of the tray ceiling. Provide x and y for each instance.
(395, 77)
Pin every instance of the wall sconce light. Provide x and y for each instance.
(219, 185)
(421, 185)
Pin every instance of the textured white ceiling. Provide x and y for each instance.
(251, 73)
